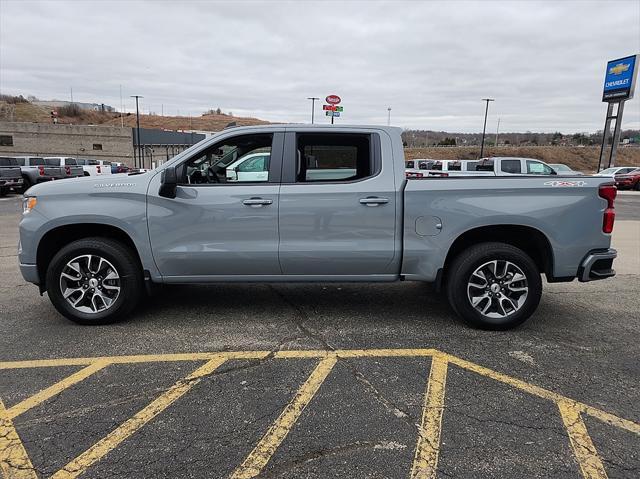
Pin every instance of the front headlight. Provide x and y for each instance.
(28, 203)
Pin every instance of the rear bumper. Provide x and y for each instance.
(597, 265)
(30, 273)
(11, 182)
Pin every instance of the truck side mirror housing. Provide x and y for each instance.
(168, 182)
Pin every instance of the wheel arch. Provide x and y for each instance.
(527, 238)
(53, 240)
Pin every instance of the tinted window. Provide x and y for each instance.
(52, 161)
(409, 164)
(327, 157)
(70, 161)
(437, 165)
(538, 168)
(8, 162)
(92, 162)
(21, 161)
(455, 166)
(471, 165)
(6, 140)
(484, 165)
(38, 161)
(511, 166)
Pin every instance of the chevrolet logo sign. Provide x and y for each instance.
(619, 68)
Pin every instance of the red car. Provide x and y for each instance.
(628, 181)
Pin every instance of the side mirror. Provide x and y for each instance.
(168, 182)
(553, 172)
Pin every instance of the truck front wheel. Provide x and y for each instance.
(94, 281)
(494, 286)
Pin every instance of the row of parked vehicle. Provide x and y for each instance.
(626, 177)
(19, 173)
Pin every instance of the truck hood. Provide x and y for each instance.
(89, 185)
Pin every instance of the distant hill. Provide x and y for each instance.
(16, 109)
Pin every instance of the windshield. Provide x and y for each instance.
(609, 171)
(560, 167)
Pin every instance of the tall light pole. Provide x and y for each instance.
(313, 105)
(484, 129)
(388, 116)
(140, 152)
(497, 129)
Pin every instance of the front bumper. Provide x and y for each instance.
(30, 273)
(597, 265)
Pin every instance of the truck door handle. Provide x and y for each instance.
(373, 201)
(256, 202)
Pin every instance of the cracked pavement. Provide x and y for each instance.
(365, 418)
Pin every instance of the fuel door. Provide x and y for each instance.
(428, 225)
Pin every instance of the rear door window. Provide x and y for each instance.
(511, 166)
(50, 162)
(8, 162)
(484, 165)
(454, 166)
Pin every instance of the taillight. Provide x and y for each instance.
(608, 192)
(41, 170)
(67, 170)
(98, 168)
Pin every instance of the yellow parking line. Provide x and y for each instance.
(261, 454)
(14, 460)
(583, 448)
(425, 462)
(56, 388)
(96, 452)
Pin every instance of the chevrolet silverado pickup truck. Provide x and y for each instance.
(95, 245)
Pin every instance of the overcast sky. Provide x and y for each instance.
(430, 61)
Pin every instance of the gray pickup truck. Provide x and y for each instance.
(94, 243)
(10, 175)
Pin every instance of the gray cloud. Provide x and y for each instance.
(431, 62)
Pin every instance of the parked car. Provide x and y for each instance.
(119, 168)
(617, 170)
(79, 166)
(494, 166)
(10, 175)
(564, 170)
(94, 245)
(628, 181)
(251, 167)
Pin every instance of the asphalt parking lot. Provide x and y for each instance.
(340, 380)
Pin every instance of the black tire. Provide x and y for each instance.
(3, 191)
(122, 259)
(459, 276)
(637, 186)
(26, 184)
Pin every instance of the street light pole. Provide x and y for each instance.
(140, 152)
(484, 129)
(389, 116)
(313, 105)
(497, 130)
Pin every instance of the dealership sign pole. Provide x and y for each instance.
(619, 84)
(332, 109)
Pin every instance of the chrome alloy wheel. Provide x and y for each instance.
(90, 283)
(497, 289)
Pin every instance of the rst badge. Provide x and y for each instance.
(561, 183)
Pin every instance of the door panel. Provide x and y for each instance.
(336, 228)
(207, 230)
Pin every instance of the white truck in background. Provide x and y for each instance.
(90, 166)
(492, 166)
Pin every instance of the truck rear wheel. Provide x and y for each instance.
(494, 286)
(94, 281)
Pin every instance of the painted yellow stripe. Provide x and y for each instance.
(546, 394)
(143, 358)
(583, 448)
(425, 462)
(14, 460)
(96, 452)
(54, 389)
(261, 454)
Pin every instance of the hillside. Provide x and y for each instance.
(579, 158)
(28, 112)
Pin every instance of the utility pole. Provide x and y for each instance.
(484, 129)
(389, 116)
(138, 146)
(71, 88)
(121, 108)
(313, 106)
(497, 129)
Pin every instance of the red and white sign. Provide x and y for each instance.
(333, 99)
(329, 107)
